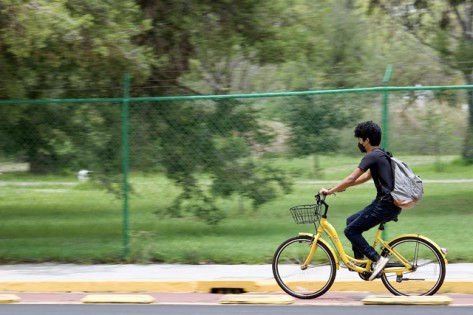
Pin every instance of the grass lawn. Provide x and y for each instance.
(60, 220)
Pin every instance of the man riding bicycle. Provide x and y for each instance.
(374, 165)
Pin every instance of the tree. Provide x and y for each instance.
(204, 42)
(315, 122)
(72, 48)
(336, 52)
(445, 26)
(211, 139)
(58, 49)
(208, 35)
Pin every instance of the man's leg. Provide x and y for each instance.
(356, 253)
(357, 224)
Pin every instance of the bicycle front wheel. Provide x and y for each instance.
(307, 283)
(428, 267)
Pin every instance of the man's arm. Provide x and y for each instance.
(357, 177)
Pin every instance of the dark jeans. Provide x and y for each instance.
(362, 221)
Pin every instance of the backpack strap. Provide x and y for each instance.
(388, 156)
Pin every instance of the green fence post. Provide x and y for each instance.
(125, 152)
(385, 127)
(385, 115)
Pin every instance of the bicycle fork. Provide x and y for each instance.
(313, 249)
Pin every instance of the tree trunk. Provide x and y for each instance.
(468, 146)
(467, 34)
(317, 169)
(42, 163)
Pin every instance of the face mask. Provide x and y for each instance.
(361, 147)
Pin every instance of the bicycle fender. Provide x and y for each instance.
(424, 238)
(326, 244)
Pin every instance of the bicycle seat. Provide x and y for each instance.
(381, 226)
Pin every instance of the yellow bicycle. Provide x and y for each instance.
(305, 266)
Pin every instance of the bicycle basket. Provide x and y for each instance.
(305, 214)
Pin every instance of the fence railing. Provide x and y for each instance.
(206, 147)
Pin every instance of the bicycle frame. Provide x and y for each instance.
(327, 228)
(359, 265)
(354, 264)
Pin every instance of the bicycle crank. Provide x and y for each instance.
(400, 279)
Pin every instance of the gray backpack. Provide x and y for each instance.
(408, 189)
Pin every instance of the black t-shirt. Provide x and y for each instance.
(380, 166)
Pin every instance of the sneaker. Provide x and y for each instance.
(378, 267)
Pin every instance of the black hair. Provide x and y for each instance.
(369, 129)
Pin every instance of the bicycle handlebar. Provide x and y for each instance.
(321, 201)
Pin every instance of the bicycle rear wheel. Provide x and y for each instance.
(311, 282)
(428, 267)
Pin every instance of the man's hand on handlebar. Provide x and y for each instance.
(323, 191)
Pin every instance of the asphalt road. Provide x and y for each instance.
(227, 310)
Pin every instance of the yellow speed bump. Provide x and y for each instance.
(407, 300)
(255, 299)
(118, 298)
(9, 298)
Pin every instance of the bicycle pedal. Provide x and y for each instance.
(365, 275)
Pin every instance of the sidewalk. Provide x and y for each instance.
(185, 279)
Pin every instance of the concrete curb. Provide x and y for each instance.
(204, 286)
(118, 298)
(256, 299)
(9, 298)
(407, 300)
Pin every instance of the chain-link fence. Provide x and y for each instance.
(108, 168)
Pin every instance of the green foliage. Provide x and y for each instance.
(314, 121)
(445, 26)
(214, 138)
(468, 148)
(55, 137)
(50, 48)
(464, 55)
(53, 50)
(208, 40)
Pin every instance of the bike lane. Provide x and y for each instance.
(330, 298)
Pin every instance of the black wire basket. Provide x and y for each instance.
(306, 214)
